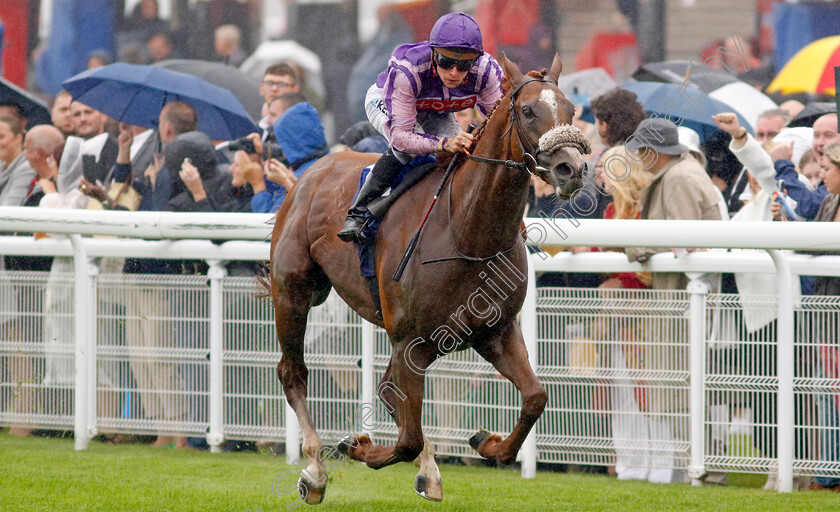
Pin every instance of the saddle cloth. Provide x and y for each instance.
(415, 170)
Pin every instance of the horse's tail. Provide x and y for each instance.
(263, 281)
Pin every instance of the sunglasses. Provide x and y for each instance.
(448, 62)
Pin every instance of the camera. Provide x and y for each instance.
(242, 144)
(270, 149)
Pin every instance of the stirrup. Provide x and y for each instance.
(352, 233)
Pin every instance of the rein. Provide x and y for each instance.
(529, 165)
(529, 152)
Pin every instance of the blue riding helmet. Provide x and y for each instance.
(456, 30)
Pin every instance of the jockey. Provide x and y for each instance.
(413, 101)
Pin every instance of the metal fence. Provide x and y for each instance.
(196, 355)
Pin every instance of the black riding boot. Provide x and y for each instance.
(382, 175)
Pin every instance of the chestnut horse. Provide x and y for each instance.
(438, 304)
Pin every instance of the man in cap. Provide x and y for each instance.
(680, 190)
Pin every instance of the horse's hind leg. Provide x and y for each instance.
(507, 353)
(290, 310)
(428, 482)
(408, 387)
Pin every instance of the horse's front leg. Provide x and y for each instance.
(404, 396)
(507, 353)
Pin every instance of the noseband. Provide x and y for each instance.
(529, 153)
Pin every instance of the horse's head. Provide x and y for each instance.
(541, 116)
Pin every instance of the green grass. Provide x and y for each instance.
(46, 474)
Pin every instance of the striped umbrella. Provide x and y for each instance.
(811, 69)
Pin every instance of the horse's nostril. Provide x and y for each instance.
(562, 170)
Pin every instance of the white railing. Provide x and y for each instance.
(193, 230)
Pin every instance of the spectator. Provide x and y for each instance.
(301, 136)
(624, 184)
(100, 149)
(624, 179)
(770, 123)
(226, 40)
(807, 201)
(40, 144)
(62, 117)
(723, 169)
(159, 47)
(810, 168)
(278, 78)
(15, 172)
(825, 334)
(12, 109)
(364, 138)
(99, 58)
(617, 114)
(680, 189)
(757, 323)
(144, 21)
(197, 186)
(148, 307)
(58, 335)
(792, 107)
(280, 104)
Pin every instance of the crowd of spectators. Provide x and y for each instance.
(653, 169)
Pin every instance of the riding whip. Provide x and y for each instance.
(411, 245)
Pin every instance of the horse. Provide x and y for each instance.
(442, 302)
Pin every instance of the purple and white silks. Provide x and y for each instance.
(411, 89)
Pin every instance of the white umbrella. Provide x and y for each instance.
(589, 83)
(269, 52)
(746, 99)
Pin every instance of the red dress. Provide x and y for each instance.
(629, 280)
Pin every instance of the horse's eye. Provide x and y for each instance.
(527, 112)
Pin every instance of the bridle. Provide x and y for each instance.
(528, 151)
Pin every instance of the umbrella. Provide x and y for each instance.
(588, 83)
(811, 69)
(33, 109)
(135, 94)
(679, 71)
(685, 105)
(745, 99)
(245, 87)
(812, 112)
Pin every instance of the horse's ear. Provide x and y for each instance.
(512, 74)
(556, 68)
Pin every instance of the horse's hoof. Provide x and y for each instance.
(345, 444)
(480, 437)
(309, 494)
(428, 488)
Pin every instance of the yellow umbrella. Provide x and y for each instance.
(811, 69)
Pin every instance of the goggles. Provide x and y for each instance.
(448, 62)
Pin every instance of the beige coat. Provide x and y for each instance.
(680, 191)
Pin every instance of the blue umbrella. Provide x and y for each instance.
(136, 94)
(33, 109)
(683, 104)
